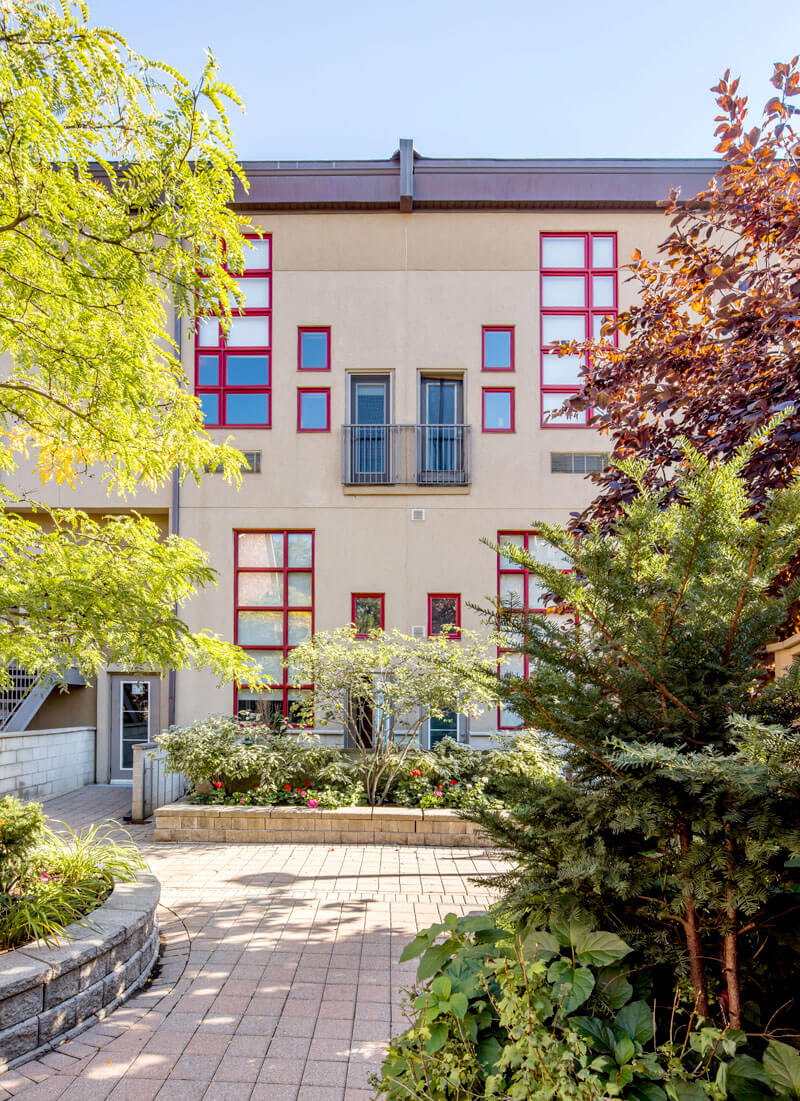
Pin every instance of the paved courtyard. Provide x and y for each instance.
(279, 978)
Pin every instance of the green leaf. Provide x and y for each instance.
(599, 949)
(597, 1032)
(478, 923)
(686, 1091)
(421, 941)
(459, 1004)
(571, 985)
(782, 1067)
(566, 929)
(614, 988)
(441, 986)
(539, 944)
(624, 1049)
(438, 1038)
(636, 1020)
(747, 1079)
(434, 960)
(489, 1052)
(646, 1091)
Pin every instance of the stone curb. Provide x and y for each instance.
(195, 822)
(49, 994)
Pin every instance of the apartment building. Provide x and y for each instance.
(392, 383)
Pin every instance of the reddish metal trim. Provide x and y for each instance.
(511, 329)
(369, 596)
(301, 390)
(453, 596)
(512, 407)
(313, 329)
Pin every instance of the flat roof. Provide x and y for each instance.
(408, 181)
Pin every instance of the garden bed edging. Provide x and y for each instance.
(184, 821)
(48, 994)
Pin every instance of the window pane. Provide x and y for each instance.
(248, 332)
(260, 548)
(261, 703)
(563, 290)
(260, 629)
(513, 665)
(512, 590)
(314, 350)
(207, 332)
(209, 408)
(509, 718)
(542, 551)
(602, 252)
(208, 370)
(256, 257)
(563, 327)
(563, 252)
(270, 663)
(300, 590)
(313, 410)
(446, 726)
(603, 290)
(367, 614)
(497, 348)
(247, 371)
(551, 402)
(536, 590)
(261, 590)
(296, 701)
(299, 627)
(515, 541)
(256, 293)
(247, 408)
(598, 320)
(293, 675)
(299, 548)
(497, 410)
(444, 612)
(561, 370)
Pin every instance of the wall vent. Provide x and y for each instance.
(418, 632)
(578, 462)
(252, 464)
(418, 514)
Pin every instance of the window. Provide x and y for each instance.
(251, 464)
(445, 726)
(367, 612)
(578, 462)
(233, 372)
(444, 610)
(274, 601)
(314, 348)
(498, 409)
(578, 293)
(519, 589)
(498, 348)
(314, 410)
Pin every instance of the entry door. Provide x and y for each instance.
(135, 710)
(442, 446)
(369, 414)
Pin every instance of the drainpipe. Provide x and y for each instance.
(174, 529)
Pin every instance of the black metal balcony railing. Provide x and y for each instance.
(406, 454)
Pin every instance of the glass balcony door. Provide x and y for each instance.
(369, 441)
(441, 441)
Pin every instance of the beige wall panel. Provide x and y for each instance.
(335, 242)
(76, 707)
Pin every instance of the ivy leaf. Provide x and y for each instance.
(636, 1020)
(782, 1067)
(599, 949)
(441, 987)
(438, 1038)
(459, 1005)
(747, 1079)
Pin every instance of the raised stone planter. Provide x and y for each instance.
(50, 994)
(298, 825)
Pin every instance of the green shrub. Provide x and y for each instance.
(21, 826)
(558, 1014)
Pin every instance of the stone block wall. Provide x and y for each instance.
(35, 764)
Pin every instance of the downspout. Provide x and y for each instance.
(174, 529)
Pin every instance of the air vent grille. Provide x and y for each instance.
(578, 462)
(418, 514)
(252, 461)
(418, 632)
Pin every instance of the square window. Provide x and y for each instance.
(367, 610)
(313, 410)
(498, 348)
(247, 409)
(444, 614)
(498, 410)
(314, 348)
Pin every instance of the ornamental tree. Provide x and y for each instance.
(382, 689)
(116, 175)
(670, 825)
(711, 350)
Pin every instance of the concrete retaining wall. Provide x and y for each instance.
(35, 764)
(355, 825)
(49, 994)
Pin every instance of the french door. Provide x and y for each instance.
(370, 440)
(440, 451)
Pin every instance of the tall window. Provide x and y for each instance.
(233, 372)
(521, 590)
(274, 600)
(578, 292)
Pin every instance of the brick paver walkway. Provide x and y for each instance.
(279, 979)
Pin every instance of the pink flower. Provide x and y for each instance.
(437, 795)
(45, 877)
(415, 772)
(241, 800)
(313, 803)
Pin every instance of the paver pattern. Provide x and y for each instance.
(279, 978)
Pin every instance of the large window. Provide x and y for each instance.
(578, 292)
(274, 601)
(521, 590)
(233, 372)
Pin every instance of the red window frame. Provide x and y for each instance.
(449, 596)
(301, 390)
(224, 354)
(301, 329)
(510, 329)
(512, 407)
(369, 596)
(588, 311)
(526, 607)
(285, 686)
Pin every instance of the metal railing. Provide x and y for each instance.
(13, 695)
(406, 454)
(153, 786)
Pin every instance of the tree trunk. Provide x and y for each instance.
(730, 950)
(694, 944)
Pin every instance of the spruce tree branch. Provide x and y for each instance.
(740, 605)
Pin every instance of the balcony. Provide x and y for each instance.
(406, 454)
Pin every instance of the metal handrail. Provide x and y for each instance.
(406, 454)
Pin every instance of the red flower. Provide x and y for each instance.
(415, 772)
(218, 783)
(287, 787)
(454, 781)
(308, 785)
(298, 789)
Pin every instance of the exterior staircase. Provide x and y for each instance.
(23, 697)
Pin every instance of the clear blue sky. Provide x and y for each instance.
(328, 80)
